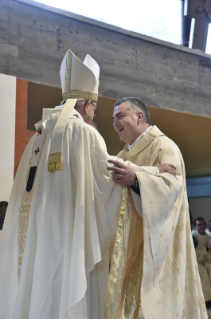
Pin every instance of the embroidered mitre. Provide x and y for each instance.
(79, 80)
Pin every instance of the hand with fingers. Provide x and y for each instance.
(121, 173)
(167, 168)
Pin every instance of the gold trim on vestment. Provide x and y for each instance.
(123, 291)
(55, 162)
(23, 215)
(68, 72)
(79, 94)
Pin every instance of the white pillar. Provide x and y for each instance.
(7, 134)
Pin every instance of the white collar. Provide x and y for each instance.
(75, 113)
(208, 232)
(130, 146)
(51, 115)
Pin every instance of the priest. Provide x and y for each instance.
(203, 255)
(154, 273)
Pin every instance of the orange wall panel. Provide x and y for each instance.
(20, 120)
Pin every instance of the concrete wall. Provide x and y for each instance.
(34, 39)
(7, 134)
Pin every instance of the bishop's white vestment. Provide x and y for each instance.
(58, 226)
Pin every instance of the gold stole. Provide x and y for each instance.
(123, 291)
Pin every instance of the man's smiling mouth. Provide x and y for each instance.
(121, 129)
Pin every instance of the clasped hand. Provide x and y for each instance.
(123, 174)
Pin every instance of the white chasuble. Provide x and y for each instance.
(202, 239)
(154, 273)
(204, 264)
(53, 250)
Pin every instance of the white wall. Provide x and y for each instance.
(7, 134)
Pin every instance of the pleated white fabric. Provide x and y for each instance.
(72, 219)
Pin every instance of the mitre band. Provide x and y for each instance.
(79, 94)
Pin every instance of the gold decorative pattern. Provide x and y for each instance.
(79, 94)
(175, 209)
(23, 217)
(23, 225)
(169, 151)
(180, 226)
(123, 293)
(55, 162)
(68, 73)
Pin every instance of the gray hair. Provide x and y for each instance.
(136, 105)
(77, 104)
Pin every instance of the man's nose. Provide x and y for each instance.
(115, 122)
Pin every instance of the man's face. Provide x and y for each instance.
(201, 226)
(126, 123)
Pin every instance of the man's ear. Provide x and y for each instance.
(140, 115)
(86, 107)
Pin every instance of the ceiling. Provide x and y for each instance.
(192, 133)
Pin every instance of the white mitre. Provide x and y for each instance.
(79, 80)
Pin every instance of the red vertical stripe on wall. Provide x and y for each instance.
(20, 120)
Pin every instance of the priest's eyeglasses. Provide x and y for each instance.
(96, 110)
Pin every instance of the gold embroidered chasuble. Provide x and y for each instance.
(154, 273)
(204, 264)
